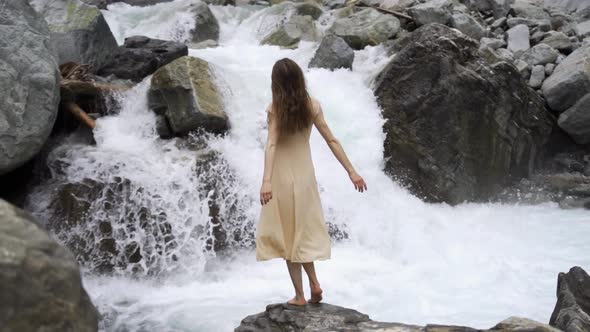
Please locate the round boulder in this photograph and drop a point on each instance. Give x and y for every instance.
(569, 82)
(29, 81)
(184, 92)
(39, 280)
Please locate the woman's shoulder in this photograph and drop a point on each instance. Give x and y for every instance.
(269, 108)
(316, 107)
(314, 102)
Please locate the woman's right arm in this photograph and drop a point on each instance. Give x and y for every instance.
(336, 148)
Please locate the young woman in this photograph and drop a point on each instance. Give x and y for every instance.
(291, 222)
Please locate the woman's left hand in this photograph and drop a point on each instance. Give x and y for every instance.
(265, 193)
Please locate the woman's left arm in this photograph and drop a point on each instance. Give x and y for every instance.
(269, 157)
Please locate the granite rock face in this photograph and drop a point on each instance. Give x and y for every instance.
(39, 280)
(29, 81)
(79, 32)
(572, 310)
(461, 122)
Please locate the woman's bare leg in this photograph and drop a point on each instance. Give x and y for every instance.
(295, 273)
(314, 284)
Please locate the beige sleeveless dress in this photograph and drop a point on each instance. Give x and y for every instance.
(291, 224)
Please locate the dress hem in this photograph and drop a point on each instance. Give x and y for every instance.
(321, 258)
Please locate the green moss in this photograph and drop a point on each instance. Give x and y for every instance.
(77, 17)
(71, 8)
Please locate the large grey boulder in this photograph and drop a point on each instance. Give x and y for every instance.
(327, 318)
(461, 123)
(185, 93)
(206, 25)
(39, 280)
(572, 310)
(468, 25)
(365, 27)
(518, 39)
(79, 32)
(576, 120)
(540, 54)
(435, 11)
(289, 34)
(333, 53)
(569, 82)
(141, 56)
(29, 81)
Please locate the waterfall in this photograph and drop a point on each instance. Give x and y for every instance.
(402, 260)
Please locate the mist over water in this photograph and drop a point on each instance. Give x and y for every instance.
(404, 260)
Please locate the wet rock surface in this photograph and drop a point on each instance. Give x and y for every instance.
(185, 93)
(29, 81)
(141, 56)
(333, 53)
(442, 148)
(206, 25)
(326, 317)
(572, 311)
(39, 280)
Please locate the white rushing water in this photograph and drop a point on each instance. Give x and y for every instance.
(404, 260)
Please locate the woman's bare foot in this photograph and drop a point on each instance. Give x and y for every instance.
(297, 301)
(316, 294)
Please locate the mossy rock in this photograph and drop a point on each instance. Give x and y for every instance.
(185, 93)
(79, 32)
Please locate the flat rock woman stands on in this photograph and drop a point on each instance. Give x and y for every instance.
(292, 223)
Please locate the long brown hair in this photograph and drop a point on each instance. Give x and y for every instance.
(290, 100)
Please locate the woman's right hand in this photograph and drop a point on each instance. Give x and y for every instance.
(265, 192)
(359, 183)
